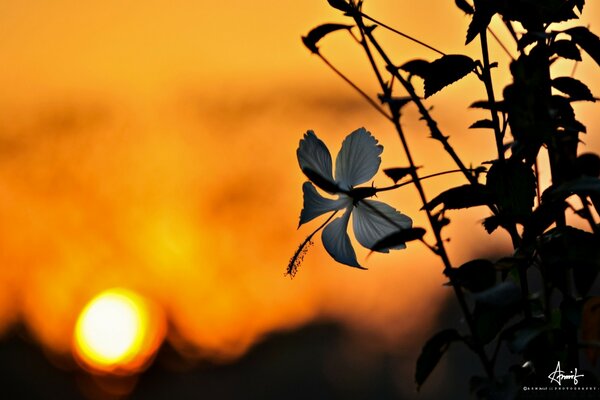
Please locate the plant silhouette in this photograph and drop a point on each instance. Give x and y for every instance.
(539, 324)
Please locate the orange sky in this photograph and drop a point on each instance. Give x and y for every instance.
(151, 145)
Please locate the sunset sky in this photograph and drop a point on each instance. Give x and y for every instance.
(151, 145)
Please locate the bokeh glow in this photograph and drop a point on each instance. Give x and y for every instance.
(117, 332)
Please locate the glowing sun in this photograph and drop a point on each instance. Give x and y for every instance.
(117, 332)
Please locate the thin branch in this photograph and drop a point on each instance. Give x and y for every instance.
(404, 35)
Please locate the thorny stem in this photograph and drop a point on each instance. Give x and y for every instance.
(487, 80)
(431, 123)
(440, 248)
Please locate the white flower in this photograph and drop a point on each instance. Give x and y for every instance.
(356, 163)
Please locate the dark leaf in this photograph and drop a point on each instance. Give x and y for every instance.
(313, 37)
(512, 187)
(579, 4)
(589, 164)
(583, 186)
(530, 38)
(484, 11)
(494, 307)
(520, 335)
(432, 352)
(321, 182)
(544, 215)
(464, 196)
(340, 5)
(566, 49)
(572, 87)
(399, 238)
(475, 276)
(396, 174)
(464, 6)
(417, 67)
(486, 105)
(446, 70)
(587, 41)
(566, 248)
(482, 123)
(490, 224)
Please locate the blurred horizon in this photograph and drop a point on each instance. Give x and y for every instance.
(152, 146)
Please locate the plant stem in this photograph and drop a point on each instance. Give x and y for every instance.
(489, 88)
(383, 189)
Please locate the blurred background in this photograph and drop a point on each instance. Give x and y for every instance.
(150, 146)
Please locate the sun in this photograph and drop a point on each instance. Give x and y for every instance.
(117, 332)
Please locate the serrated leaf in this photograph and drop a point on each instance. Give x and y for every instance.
(482, 123)
(566, 49)
(574, 88)
(475, 275)
(587, 41)
(399, 238)
(447, 70)
(318, 33)
(416, 67)
(512, 187)
(484, 11)
(396, 174)
(340, 5)
(432, 353)
(464, 196)
(464, 6)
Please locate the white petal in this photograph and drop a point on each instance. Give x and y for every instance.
(316, 205)
(337, 242)
(358, 159)
(314, 155)
(375, 220)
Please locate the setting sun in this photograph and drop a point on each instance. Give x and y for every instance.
(117, 332)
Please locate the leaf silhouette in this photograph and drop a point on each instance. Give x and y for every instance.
(396, 174)
(574, 88)
(318, 33)
(566, 49)
(484, 11)
(340, 5)
(416, 67)
(512, 186)
(399, 238)
(475, 276)
(587, 41)
(486, 105)
(482, 123)
(432, 353)
(464, 196)
(590, 327)
(446, 70)
(464, 6)
(588, 164)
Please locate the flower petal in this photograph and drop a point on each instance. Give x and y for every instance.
(358, 159)
(314, 157)
(316, 205)
(373, 220)
(337, 242)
